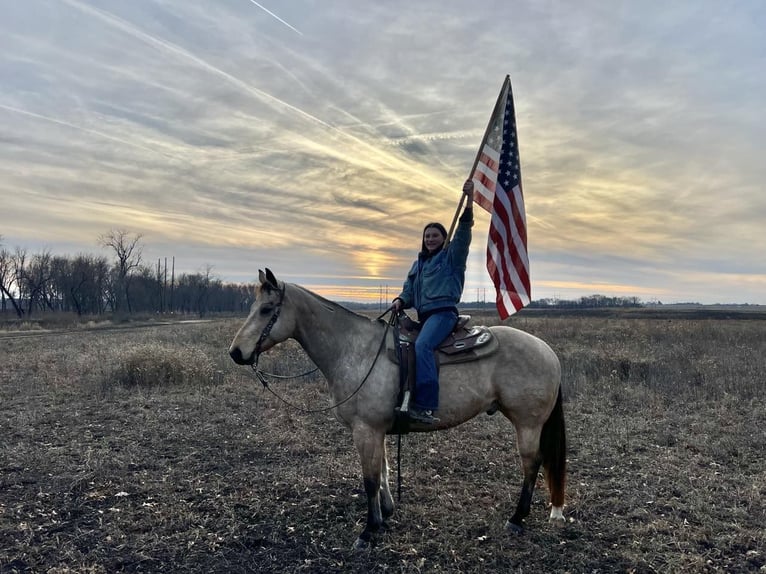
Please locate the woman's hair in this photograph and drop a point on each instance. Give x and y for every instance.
(435, 225)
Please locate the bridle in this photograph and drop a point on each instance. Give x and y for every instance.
(269, 326)
(263, 376)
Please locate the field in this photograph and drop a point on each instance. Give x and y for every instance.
(148, 450)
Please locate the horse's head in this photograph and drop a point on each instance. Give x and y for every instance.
(268, 323)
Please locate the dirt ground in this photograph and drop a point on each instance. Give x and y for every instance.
(213, 474)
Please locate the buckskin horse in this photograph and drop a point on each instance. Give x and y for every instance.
(521, 379)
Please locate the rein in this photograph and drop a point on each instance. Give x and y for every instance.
(263, 376)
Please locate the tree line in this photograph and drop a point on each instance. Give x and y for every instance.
(88, 284)
(587, 302)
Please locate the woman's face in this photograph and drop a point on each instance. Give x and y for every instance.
(433, 239)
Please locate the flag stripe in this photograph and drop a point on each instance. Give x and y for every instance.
(514, 273)
(485, 178)
(518, 228)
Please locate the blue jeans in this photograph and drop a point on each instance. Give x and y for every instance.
(435, 329)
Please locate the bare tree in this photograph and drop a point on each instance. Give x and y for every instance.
(203, 292)
(76, 283)
(19, 267)
(8, 280)
(97, 269)
(127, 250)
(36, 278)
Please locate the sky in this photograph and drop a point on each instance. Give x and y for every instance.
(317, 138)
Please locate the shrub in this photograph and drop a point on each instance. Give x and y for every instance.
(154, 365)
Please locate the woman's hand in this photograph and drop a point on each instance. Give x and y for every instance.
(468, 189)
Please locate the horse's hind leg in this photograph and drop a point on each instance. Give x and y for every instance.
(531, 459)
(371, 447)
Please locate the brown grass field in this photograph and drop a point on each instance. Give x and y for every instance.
(148, 450)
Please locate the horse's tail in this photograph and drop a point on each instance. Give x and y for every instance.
(553, 447)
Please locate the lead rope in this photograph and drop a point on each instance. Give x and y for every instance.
(399, 467)
(394, 322)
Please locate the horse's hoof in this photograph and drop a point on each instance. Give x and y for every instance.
(558, 521)
(557, 516)
(361, 544)
(514, 528)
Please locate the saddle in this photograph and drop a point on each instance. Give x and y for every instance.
(463, 345)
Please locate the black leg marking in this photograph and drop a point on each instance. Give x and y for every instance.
(525, 498)
(374, 517)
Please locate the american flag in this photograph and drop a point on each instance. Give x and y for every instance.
(497, 181)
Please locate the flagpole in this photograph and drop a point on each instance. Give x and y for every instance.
(478, 155)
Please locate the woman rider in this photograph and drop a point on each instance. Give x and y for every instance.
(433, 287)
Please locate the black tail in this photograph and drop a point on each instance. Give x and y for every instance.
(553, 447)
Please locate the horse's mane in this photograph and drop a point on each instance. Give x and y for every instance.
(327, 303)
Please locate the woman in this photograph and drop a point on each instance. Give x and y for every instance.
(433, 287)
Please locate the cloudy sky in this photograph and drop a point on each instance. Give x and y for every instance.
(318, 137)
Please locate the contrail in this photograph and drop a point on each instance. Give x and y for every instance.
(270, 13)
(82, 129)
(177, 50)
(386, 159)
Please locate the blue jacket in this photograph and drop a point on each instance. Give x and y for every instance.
(436, 282)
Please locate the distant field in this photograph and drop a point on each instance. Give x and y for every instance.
(148, 450)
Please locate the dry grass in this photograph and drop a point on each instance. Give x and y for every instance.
(149, 451)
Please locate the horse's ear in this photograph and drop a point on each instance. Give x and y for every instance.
(267, 279)
(271, 279)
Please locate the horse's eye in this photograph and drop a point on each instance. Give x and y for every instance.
(267, 310)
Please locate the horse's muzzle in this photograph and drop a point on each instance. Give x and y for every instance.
(236, 355)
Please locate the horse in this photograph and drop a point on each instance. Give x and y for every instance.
(521, 379)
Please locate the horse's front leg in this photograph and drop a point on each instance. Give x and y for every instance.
(370, 444)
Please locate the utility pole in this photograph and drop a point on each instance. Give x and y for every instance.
(172, 283)
(159, 286)
(165, 286)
